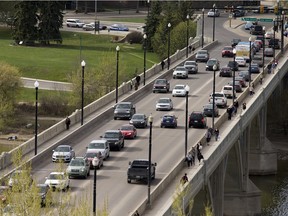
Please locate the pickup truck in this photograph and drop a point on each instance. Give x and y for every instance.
(138, 170)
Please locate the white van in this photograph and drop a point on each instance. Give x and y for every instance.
(74, 23)
(228, 91)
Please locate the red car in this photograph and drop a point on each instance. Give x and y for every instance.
(128, 131)
(227, 51)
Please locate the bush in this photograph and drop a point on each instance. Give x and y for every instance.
(54, 105)
(134, 37)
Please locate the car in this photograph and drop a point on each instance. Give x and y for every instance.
(227, 51)
(241, 80)
(225, 72)
(129, 131)
(269, 35)
(212, 13)
(258, 60)
(233, 65)
(164, 104)
(63, 153)
(91, 27)
(248, 25)
(161, 85)
(268, 52)
(254, 68)
(115, 139)
(210, 64)
(78, 167)
(244, 74)
(74, 23)
(169, 121)
(124, 110)
(257, 30)
(101, 146)
(208, 110)
(274, 43)
(44, 193)
(219, 98)
(19, 178)
(238, 13)
(228, 91)
(58, 180)
(191, 66)
(234, 42)
(180, 72)
(179, 90)
(139, 120)
(118, 27)
(96, 155)
(197, 119)
(241, 61)
(202, 56)
(237, 86)
(259, 42)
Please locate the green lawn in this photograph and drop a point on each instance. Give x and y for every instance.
(57, 61)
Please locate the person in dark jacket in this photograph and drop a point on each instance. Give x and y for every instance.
(67, 122)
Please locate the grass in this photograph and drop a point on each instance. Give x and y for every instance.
(57, 61)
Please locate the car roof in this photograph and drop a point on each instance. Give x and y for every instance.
(168, 115)
(179, 85)
(112, 131)
(124, 102)
(98, 141)
(64, 146)
(57, 173)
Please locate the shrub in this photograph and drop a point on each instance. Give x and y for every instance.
(134, 37)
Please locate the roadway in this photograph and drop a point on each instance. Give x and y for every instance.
(168, 144)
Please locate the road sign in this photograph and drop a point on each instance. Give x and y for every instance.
(249, 19)
(265, 20)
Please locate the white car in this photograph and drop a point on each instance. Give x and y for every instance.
(63, 153)
(241, 61)
(179, 90)
(164, 104)
(101, 145)
(220, 99)
(212, 14)
(58, 180)
(228, 91)
(74, 23)
(180, 72)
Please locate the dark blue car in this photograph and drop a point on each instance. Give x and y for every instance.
(169, 121)
(118, 27)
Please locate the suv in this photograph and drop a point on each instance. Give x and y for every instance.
(274, 43)
(202, 55)
(74, 23)
(180, 72)
(124, 110)
(78, 167)
(210, 64)
(233, 65)
(257, 30)
(197, 119)
(101, 146)
(191, 66)
(161, 85)
(115, 139)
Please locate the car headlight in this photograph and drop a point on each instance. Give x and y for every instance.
(116, 111)
(127, 111)
(67, 156)
(82, 169)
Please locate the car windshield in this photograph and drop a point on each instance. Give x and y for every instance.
(163, 100)
(163, 82)
(77, 163)
(126, 127)
(218, 95)
(180, 69)
(212, 62)
(62, 149)
(190, 63)
(56, 176)
(138, 117)
(179, 87)
(91, 154)
(228, 48)
(123, 106)
(202, 52)
(239, 59)
(111, 135)
(196, 115)
(96, 146)
(227, 88)
(168, 117)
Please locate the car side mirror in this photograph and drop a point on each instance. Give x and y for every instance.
(101, 136)
(46, 177)
(113, 107)
(130, 163)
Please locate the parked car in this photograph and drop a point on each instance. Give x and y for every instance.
(197, 119)
(101, 146)
(234, 42)
(274, 43)
(254, 68)
(225, 72)
(180, 72)
(115, 139)
(58, 180)
(191, 66)
(161, 85)
(169, 121)
(202, 56)
(44, 193)
(164, 104)
(219, 98)
(179, 90)
(227, 51)
(128, 131)
(118, 27)
(212, 13)
(63, 153)
(210, 64)
(258, 60)
(208, 110)
(228, 91)
(139, 120)
(78, 167)
(74, 23)
(245, 75)
(241, 80)
(91, 155)
(124, 110)
(241, 61)
(268, 52)
(233, 65)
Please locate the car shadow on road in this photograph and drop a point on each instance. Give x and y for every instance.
(132, 149)
(116, 158)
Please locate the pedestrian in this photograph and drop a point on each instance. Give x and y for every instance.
(269, 67)
(162, 64)
(67, 122)
(193, 155)
(274, 65)
(190, 48)
(138, 78)
(184, 179)
(261, 79)
(244, 106)
(229, 111)
(236, 105)
(136, 213)
(200, 157)
(251, 90)
(216, 134)
(193, 49)
(208, 136)
(189, 159)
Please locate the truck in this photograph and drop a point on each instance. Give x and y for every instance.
(138, 170)
(243, 50)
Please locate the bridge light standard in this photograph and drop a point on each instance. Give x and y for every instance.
(263, 47)
(150, 120)
(213, 106)
(214, 9)
(234, 64)
(250, 59)
(169, 32)
(36, 85)
(148, 5)
(82, 101)
(187, 88)
(144, 73)
(282, 32)
(117, 70)
(202, 27)
(187, 35)
(94, 163)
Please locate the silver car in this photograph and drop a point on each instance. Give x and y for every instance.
(179, 90)
(63, 153)
(180, 72)
(202, 55)
(164, 104)
(191, 66)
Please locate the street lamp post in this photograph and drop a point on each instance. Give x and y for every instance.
(144, 72)
(94, 163)
(82, 101)
(187, 88)
(213, 94)
(282, 32)
(168, 59)
(274, 29)
(187, 35)
(148, 5)
(263, 47)
(150, 120)
(203, 27)
(214, 8)
(117, 70)
(234, 64)
(36, 85)
(250, 59)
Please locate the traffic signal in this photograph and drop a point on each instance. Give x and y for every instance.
(261, 9)
(276, 9)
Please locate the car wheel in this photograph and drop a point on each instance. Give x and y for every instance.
(161, 126)
(153, 91)
(115, 118)
(129, 180)
(119, 148)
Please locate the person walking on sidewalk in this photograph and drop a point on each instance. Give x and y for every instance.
(189, 159)
(184, 179)
(251, 90)
(216, 134)
(67, 122)
(162, 64)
